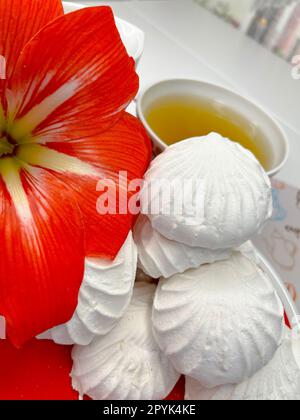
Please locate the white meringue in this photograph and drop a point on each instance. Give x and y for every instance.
(279, 380)
(236, 193)
(126, 364)
(160, 257)
(220, 323)
(103, 298)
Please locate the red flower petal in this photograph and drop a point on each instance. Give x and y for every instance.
(19, 21)
(105, 234)
(41, 248)
(178, 392)
(39, 371)
(73, 75)
(125, 147)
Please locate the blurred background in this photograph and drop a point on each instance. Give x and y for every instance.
(274, 24)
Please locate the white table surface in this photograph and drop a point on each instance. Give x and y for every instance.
(184, 40)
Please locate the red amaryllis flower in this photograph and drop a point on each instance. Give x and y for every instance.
(63, 127)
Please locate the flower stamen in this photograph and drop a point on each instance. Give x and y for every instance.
(7, 146)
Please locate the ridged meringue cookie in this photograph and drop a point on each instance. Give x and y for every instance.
(103, 298)
(161, 257)
(126, 364)
(234, 191)
(219, 323)
(278, 381)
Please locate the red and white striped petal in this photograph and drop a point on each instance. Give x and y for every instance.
(82, 163)
(41, 248)
(124, 147)
(73, 76)
(20, 20)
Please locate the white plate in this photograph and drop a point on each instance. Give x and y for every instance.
(132, 37)
(289, 306)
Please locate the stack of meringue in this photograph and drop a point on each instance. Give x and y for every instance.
(126, 364)
(214, 315)
(236, 202)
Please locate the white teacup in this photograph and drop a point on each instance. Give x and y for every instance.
(275, 141)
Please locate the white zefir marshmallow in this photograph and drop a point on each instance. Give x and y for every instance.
(104, 296)
(278, 381)
(226, 193)
(126, 364)
(220, 323)
(161, 257)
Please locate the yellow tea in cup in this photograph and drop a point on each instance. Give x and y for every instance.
(175, 118)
